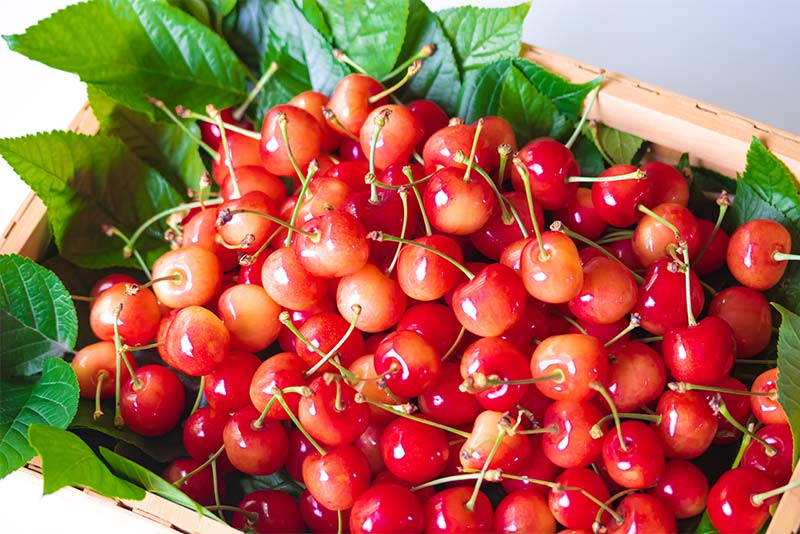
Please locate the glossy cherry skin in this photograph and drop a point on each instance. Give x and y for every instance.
(414, 451)
(642, 513)
(714, 257)
(749, 315)
(350, 100)
(777, 467)
(253, 450)
(200, 486)
(524, 511)
(324, 330)
(497, 131)
(511, 452)
(227, 387)
(337, 478)
(642, 464)
(242, 151)
(617, 201)
(280, 371)
(380, 299)
(608, 293)
(97, 358)
(442, 145)
(253, 178)
(766, 409)
(699, 354)
(320, 519)
(580, 216)
(549, 164)
(339, 247)
(247, 230)
(536, 466)
(455, 204)
(494, 236)
(432, 118)
(155, 407)
(425, 275)
(397, 138)
(199, 229)
(570, 507)
(196, 341)
(661, 301)
(210, 132)
(687, 425)
(435, 322)
(332, 424)
(554, 275)
(442, 401)
(108, 281)
(305, 140)
(446, 512)
(202, 432)
(668, 185)
(288, 283)
(730, 505)
(313, 102)
(636, 375)
(651, 238)
(572, 444)
(496, 358)
(492, 302)
(386, 508)
(250, 316)
(276, 512)
(738, 406)
(683, 488)
(138, 320)
(408, 362)
(580, 358)
(750, 253)
(374, 390)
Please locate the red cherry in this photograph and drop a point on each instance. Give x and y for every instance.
(210, 132)
(200, 486)
(97, 358)
(250, 316)
(572, 508)
(538, 467)
(196, 341)
(554, 275)
(108, 281)
(243, 151)
(636, 375)
(276, 512)
(701, 353)
(253, 178)
(430, 116)
(255, 450)
(414, 451)
(446, 512)
(492, 302)
(641, 463)
(580, 216)
(549, 164)
(513, 449)
(408, 362)
(338, 247)
(154, 406)
(442, 401)
(580, 359)
(386, 508)
(652, 239)
(642, 513)
(399, 135)
(524, 511)
(572, 444)
(227, 387)
(617, 201)
(779, 466)
(331, 415)
(305, 140)
(749, 315)
(337, 478)
(687, 424)
(730, 502)
(379, 300)
(494, 236)
(442, 145)
(313, 102)
(668, 185)
(435, 322)
(138, 319)
(767, 409)
(456, 203)
(320, 519)
(283, 370)
(608, 293)
(713, 258)
(288, 283)
(683, 488)
(750, 253)
(350, 100)
(498, 359)
(374, 390)
(202, 433)
(424, 275)
(661, 301)
(324, 330)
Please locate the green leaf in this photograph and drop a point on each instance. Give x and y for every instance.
(589, 159)
(88, 181)
(439, 79)
(370, 32)
(134, 48)
(165, 147)
(150, 481)
(280, 480)
(789, 372)
(619, 146)
(68, 461)
(480, 92)
(37, 318)
(480, 36)
(162, 449)
(568, 97)
(222, 7)
(315, 17)
(52, 401)
(528, 111)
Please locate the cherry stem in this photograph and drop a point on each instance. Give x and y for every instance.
(558, 226)
(601, 389)
(687, 278)
(647, 211)
(370, 179)
(410, 71)
(755, 362)
(681, 387)
(102, 376)
(127, 348)
(118, 346)
(507, 216)
(223, 135)
(417, 157)
(471, 160)
(476, 491)
(552, 429)
(708, 287)
(167, 278)
(286, 320)
(178, 483)
(451, 478)
(356, 309)
(404, 410)
(278, 394)
(127, 250)
(723, 201)
(331, 117)
(283, 120)
(717, 404)
(594, 127)
(576, 133)
(425, 221)
(526, 181)
(424, 52)
(312, 170)
(380, 121)
(80, 298)
(404, 199)
(238, 113)
(650, 339)
(596, 431)
(225, 215)
(380, 236)
(503, 150)
(193, 136)
(189, 114)
(782, 256)
(634, 323)
(259, 423)
(455, 344)
(759, 498)
(199, 396)
(339, 525)
(573, 322)
(597, 526)
(341, 57)
(215, 484)
(478, 382)
(119, 422)
(617, 235)
(638, 174)
(158, 216)
(252, 517)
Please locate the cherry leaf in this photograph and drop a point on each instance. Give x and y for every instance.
(789, 372)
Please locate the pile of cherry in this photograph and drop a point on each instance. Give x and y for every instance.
(435, 338)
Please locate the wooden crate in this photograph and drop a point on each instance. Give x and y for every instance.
(715, 138)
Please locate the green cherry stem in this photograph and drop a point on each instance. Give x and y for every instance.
(573, 323)
(596, 431)
(634, 323)
(614, 236)
(410, 71)
(503, 150)
(508, 217)
(455, 344)
(558, 226)
(717, 404)
(380, 121)
(404, 199)
(424, 52)
(312, 170)
(603, 392)
(478, 382)
(128, 250)
(638, 174)
(283, 121)
(286, 320)
(278, 394)
(687, 277)
(471, 160)
(759, 498)
(650, 339)
(178, 483)
(118, 347)
(476, 490)
(189, 114)
(456, 478)
(650, 213)
(356, 309)
(380, 236)
(425, 221)
(102, 376)
(239, 112)
(405, 410)
(226, 214)
(199, 396)
(193, 136)
(341, 57)
(681, 387)
(589, 106)
(339, 525)
(526, 181)
(160, 215)
(119, 422)
(223, 135)
(723, 201)
(594, 128)
(215, 484)
(782, 256)
(331, 117)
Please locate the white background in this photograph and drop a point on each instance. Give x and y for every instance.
(735, 54)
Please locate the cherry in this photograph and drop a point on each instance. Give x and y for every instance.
(414, 451)
(430, 116)
(253, 178)
(497, 234)
(196, 341)
(304, 135)
(243, 151)
(331, 414)
(338, 247)
(636, 375)
(152, 404)
(435, 322)
(570, 506)
(636, 462)
(288, 283)
(320, 519)
(687, 426)
(210, 132)
(227, 387)
(324, 331)
(702, 353)
(622, 249)
(247, 230)
(202, 433)
(137, 319)
(280, 371)
(511, 450)
(667, 184)
(255, 449)
(550, 164)
(408, 363)
(442, 401)
(618, 201)
(568, 365)
(738, 406)
(524, 511)
(730, 501)
(779, 466)
(491, 302)
(386, 508)
(250, 316)
(352, 173)
(749, 315)
(642, 513)
(767, 409)
(275, 511)
(652, 238)
(580, 216)
(95, 367)
(608, 293)
(313, 102)
(495, 359)
(350, 151)
(200, 486)
(107, 281)
(396, 132)
(458, 202)
(551, 273)
(751, 253)
(497, 131)
(446, 512)
(441, 147)
(371, 299)
(531, 328)
(661, 302)
(350, 101)
(683, 488)
(572, 444)
(537, 467)
(369, 442)
(199, 229)
(337, 478)
(424, 275)
(713, 258)
(374, 390)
